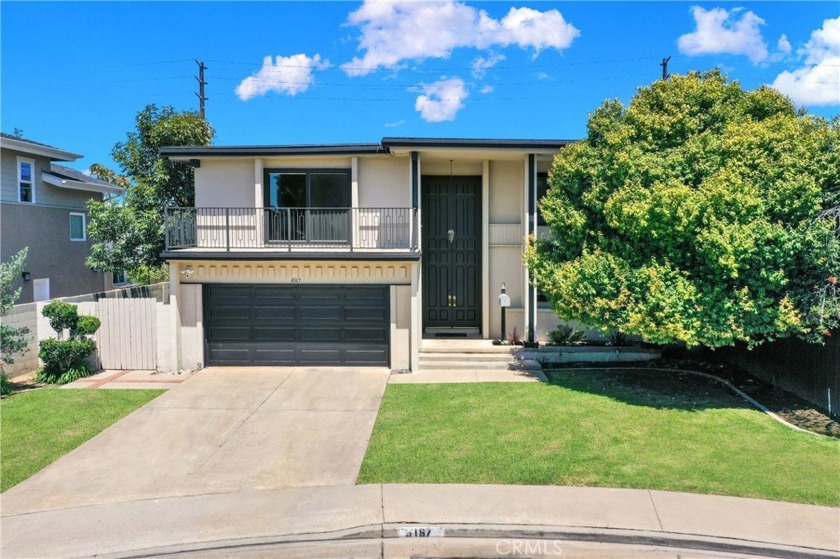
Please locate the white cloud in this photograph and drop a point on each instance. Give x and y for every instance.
(542, 76)
(721, 31)
(486, 89)
(817, 82)
(286, 74)
(783, 46)
(394, 124)
(480, 65)
(394, 32)
(441, 100)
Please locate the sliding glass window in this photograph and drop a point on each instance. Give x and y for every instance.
(308, 205)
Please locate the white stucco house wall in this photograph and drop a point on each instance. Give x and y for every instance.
(353, 254)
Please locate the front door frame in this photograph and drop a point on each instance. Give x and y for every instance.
(478, 251)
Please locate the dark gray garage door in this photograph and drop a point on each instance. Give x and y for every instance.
(296, 324)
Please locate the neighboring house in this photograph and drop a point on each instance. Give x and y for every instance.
(43, 207)
(352, 254)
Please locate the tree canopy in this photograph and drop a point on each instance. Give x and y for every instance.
(699, 213)
(129, 232)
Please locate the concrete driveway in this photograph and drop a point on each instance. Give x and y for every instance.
(225, 429)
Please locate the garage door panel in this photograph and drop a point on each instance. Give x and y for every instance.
(321, 312)
(229, 333)
(274, 313)
(365, 335)
(323, 334)
(362, 356)
(288, 324)
(279, 334)
(366, 314)
(273, 356)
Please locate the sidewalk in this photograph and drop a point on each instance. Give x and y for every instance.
(327, 515)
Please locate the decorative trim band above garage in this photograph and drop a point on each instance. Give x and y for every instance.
(297, 272)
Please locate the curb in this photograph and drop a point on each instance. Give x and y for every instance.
(389, 531)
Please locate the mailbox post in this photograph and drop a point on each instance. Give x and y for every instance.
(504, 303)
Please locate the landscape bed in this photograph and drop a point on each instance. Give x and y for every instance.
(39, 426)
(598, 428)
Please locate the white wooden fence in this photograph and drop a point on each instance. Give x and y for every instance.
(127, 338)
(136, 331)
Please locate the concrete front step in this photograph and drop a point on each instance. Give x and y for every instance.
(466, 365)
(453, 356)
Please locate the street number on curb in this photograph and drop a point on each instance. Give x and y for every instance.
(420, 532)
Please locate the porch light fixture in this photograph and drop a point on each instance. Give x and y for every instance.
(27, 276)
(188, 271)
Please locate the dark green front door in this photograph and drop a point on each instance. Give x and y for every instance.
(451, 209)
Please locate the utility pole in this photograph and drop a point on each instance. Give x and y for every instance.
(665, 68)
(201, 84)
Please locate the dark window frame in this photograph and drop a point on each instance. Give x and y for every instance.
(304, 171)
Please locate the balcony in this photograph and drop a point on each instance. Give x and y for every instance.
(291, 230)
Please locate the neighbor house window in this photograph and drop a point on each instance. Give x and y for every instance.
(119, 278)
(26, 180)
(77, 227)
(542, 190)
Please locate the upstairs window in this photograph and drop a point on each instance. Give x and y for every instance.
(26, 180)
(304, 188)
(77, 227)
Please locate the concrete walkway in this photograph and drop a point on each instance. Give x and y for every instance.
(221, 430)
(137, 380)
(345, 517)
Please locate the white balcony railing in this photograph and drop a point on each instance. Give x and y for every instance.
(290, 228)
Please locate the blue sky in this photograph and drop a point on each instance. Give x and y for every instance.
(75, 74)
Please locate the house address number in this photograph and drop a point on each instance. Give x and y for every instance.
(420, 532)
(295, 280)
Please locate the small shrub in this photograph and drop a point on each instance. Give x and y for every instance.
(5, 385)
(74, 374)
(566, 335)
(66, 360)
(618, 339)
(513, 337)
(85, 326)
(62, 316)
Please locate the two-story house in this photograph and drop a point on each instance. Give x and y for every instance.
(43, 206)
(353, 254)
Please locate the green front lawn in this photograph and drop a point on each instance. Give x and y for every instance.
(629, 429)
(40, 426)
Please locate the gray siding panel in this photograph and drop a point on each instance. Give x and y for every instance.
(45, 194)
(46, 231)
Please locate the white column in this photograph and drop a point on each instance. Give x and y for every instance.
(416, 334)
(354, 200)
(259, 202)
(485, 249)
(175, 315)
(526, 290)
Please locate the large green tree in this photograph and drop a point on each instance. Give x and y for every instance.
(128, 232)
(699, 213)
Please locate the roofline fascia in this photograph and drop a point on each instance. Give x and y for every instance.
(179, 153)
(80, 185)
(54, 154)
